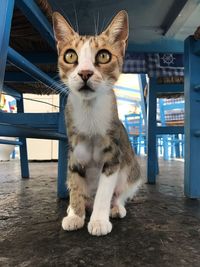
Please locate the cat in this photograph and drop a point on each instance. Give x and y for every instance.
(103, 171)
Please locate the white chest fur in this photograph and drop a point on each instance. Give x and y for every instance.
(92, 117)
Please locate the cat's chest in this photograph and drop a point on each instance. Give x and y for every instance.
(92, 119)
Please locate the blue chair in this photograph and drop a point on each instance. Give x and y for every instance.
(172, 113)
(134, 126)
(153, 129)
(31, 125)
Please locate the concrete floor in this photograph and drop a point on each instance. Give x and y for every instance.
(162, 227)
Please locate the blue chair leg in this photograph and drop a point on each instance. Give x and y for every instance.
(139, 145)
(152, 159)
(145, 145)
(160, 145)
(62, 154)
(172, 146)
(157, 162)
(23, 147)
(182, 145)
(136, 144)
(177, 146)
(6, 12)
(165, 147)
(192, 119)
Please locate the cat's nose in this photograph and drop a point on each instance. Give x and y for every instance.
(85, 74)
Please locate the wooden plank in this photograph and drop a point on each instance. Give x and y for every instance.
(151, 134)
(62, 152)
(169, 130)
(40, 120)
(158, 46)
(10, 142)
(23, 148)
(196, 49)
(192, 121)
(28, 132)
(169, 88)
(6, 13)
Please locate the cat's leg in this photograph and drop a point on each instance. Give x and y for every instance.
(76, 211)
(118, 202)
(118, 209)
(78, 191)
(99, 222)
(125, 189)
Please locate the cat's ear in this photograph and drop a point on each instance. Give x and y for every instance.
(63, 32)
(118, 28)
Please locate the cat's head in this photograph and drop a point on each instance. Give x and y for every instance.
(90, 65)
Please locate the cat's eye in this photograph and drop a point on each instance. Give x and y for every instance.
(70, 56)
(103, 56)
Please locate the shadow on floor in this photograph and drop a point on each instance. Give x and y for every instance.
(162, 227)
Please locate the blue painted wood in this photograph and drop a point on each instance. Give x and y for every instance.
(165, 147)
(22, 124)
(173, 106)
(142, 85)
(152, 164)
(40, 120)
(23, 147)
(24, 131)
(196, 48)
(6, 12)
(163, 123)
(197, 133)
(63, 153)
(176, 142)
(22, 63)
(170, 129)
(134, 127)
(173, 140)
(164, 137)
(34, 14)
(158, 46)
(19, 77)
(192, 119)
(197, 88)
(9, 142)
(168, 88)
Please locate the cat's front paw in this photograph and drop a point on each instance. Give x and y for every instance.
(118, 212)
(73, 222)
(99, 227)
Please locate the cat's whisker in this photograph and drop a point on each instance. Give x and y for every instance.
(59, 87)
(62, 12)
(76, 19)
(103, 25)
(97, 23)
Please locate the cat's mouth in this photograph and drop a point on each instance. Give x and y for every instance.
(85, 88)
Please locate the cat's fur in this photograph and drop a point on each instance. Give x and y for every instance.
(103, 171)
